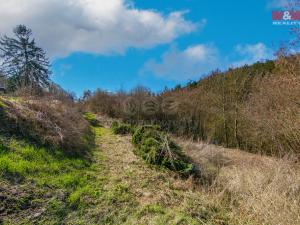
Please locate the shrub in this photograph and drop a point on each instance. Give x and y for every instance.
(122, 129)
(3, 146)
(47, 123)
(114, 125)
(156, 148)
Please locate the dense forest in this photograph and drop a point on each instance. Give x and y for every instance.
(254, 107)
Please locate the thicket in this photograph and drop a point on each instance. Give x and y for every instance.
(46, 122)
(255, 108)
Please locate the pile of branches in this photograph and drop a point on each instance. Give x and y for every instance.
(122, 129)
(156, 148)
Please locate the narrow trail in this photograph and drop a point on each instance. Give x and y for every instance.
(148, 184)
(115, 187)
(143, 194)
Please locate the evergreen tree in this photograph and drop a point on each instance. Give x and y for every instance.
(2, 80)
(25, 64)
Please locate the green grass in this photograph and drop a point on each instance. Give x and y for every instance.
(76, 191)
(22, 163)
(91, 118)
(22, 160)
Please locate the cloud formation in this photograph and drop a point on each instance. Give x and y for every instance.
(278, 3)
(250, 54)
(94, 26)
(186, 64)
(198, 60)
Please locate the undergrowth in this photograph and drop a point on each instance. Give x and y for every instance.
(122, 129)
(45, 122)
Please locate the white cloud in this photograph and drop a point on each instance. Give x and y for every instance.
(250, 54)
(94, 26)
(198, 60)
(278, 3)
(186, 64)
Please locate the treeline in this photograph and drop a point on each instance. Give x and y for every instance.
(255, 108)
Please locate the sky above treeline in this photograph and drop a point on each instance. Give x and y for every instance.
(119, 44)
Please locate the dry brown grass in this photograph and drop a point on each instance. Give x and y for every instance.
(257, 188)
(46, 122)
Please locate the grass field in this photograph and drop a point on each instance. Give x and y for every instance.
(39, 187)
(116, 187)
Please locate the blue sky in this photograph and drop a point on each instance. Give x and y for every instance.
(120, 44)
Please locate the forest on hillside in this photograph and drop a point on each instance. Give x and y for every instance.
(252, 107)
(255, 108)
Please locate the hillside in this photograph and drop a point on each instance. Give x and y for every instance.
(254, 107)
(127, 112)
(41, 187)
(114, 186)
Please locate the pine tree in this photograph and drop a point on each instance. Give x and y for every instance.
(25, 64)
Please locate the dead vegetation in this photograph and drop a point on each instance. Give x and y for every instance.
(259, 188)
(46, 122)
(253, 108)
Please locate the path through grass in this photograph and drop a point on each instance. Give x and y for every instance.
(115, 188)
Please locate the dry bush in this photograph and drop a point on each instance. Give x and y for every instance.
(47, 122)
(104, 103)
(273, 111)
(260, 189)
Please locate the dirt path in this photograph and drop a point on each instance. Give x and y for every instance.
(137, 193)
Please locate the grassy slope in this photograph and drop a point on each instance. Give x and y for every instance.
(37, 187)
(41, 187)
